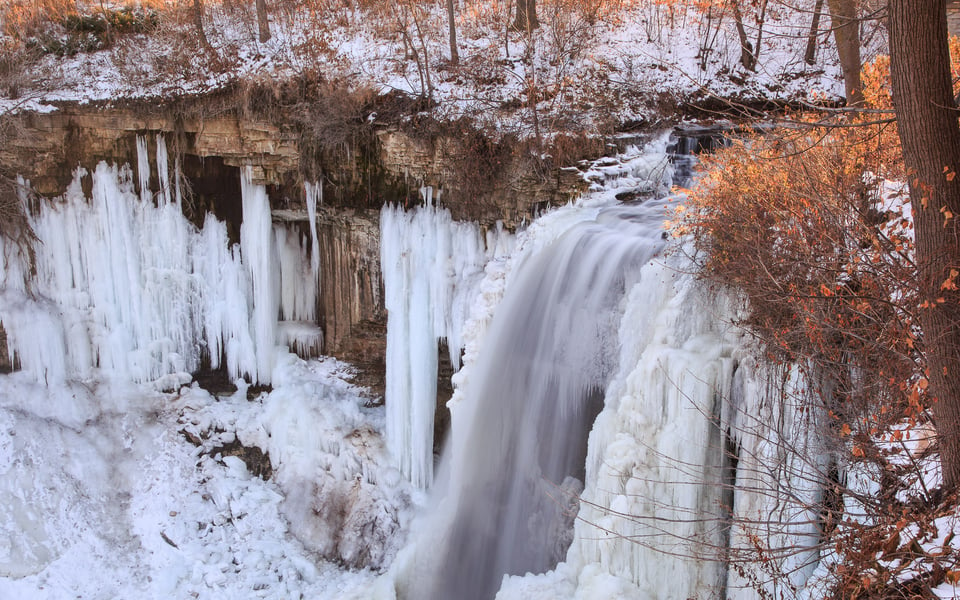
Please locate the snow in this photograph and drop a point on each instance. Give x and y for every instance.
(114, 464)
(98, 473)
(99, 478)
(603, 67)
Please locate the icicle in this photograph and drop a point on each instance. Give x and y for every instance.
(177, 178)
(431, 267)
(257, 250)
(134, 290)
(226, 301)
(163, 172)
(314, 193)
(143, 169)
(298, 290)
(411, 358)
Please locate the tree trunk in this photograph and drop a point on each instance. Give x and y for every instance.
(758, 46)
(526, 19)
(263, 21)
(810, 56)
(452, 18)
(927, 122)
(846, 32)
(198, 24)
(747, 58)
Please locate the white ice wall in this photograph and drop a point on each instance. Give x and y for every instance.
(125, 284)
(431, 266)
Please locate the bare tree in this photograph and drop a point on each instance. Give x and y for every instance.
(927, 123)
(526, 19)
(407, 17)
(451, 18)
(263, 21)
(198, 24)
(846, 31)
(747, 57)
(810, 56)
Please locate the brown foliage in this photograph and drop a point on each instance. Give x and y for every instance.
(796, 220)
(805, 221)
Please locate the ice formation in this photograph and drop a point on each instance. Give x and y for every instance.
(431, 267)
(125, 284)
(104, 496)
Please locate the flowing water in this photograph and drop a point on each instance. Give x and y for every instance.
(550, 352)
(597, 421)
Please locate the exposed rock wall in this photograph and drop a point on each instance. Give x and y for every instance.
(352, 288)
(47, 147)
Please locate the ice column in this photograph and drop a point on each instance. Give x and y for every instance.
(135, 290)
(112, 271)
(143, 168)
(314, 193)
(431, 266)
(163, 171)
(257, 250)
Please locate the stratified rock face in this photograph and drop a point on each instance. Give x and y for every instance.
(46, 148)
(481, 180)
(350, 303)
(351, 289)
(5, 363)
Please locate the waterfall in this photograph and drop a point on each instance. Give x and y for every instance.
(604, 382)
(613, 431)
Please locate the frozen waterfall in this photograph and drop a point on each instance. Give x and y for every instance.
(124, 283)
(431, 268)
(613, 433)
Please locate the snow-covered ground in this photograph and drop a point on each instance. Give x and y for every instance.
(585, 69)
(105, 497)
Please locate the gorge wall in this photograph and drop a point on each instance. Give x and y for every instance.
(475, 178)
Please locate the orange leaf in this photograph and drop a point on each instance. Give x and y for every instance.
(950, 282)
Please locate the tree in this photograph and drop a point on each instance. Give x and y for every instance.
(451, 18)
(846, 32)
(749, 52)
(747, 57)
(198, 24)
(810, 55)
(526, 19)
(263, 21)
(930, 136)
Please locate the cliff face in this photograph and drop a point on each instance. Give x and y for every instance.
(480, 180)
(475, 178)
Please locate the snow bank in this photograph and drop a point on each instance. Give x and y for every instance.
(106, 498)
